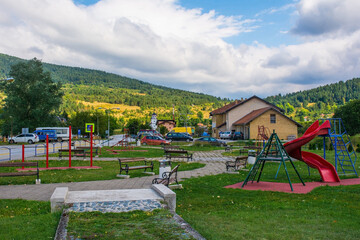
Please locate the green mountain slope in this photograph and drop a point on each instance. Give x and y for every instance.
(93, 85)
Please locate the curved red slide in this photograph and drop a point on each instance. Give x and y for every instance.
(327, 170)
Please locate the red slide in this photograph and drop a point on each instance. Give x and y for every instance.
(327, 170)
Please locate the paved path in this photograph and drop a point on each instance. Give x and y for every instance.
(214, 165)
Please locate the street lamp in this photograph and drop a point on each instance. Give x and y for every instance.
(107, 110)
(11, 130)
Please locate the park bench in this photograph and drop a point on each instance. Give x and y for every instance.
(178, 153)
(22, 173)
(240, 162)
(96, 150)
(74, 152)
(124, 166)
(167, 177)
(170, 147)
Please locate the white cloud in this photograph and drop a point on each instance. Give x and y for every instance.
(161, 42)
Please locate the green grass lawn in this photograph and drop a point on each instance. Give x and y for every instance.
(108, 171)
(220, 213)
(21, 219)
(157, 224)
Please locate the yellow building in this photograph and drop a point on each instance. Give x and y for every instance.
(247, 115)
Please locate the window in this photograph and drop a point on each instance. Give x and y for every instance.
(272, 118)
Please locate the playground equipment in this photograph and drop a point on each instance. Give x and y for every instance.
(262, 136)
(327, 170)
(273, 151)
(344, 159)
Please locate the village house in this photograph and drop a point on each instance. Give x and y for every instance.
(246, 115)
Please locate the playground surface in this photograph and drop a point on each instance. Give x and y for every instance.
(298, 187)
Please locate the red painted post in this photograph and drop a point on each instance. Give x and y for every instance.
(91, 145)
(23, 154)
(47, 151)
(69, 146)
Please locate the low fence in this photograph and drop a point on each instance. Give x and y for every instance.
(15, 152)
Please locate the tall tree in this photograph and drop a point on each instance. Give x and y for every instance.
(350, 115)
(33, 99)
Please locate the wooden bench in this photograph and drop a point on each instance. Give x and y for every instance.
(96, 150)
(167, 177)
(170, 147)
(125, 167)
(180, 153)
(74, 152)
(240, 162)
(22, 173)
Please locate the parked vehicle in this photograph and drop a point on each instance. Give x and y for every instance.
(25, 138)
(154, 140)
(212, 141)
(178, 137)
(62, 133)
(225, 135)
(237, 136)
(189, 130)
(43, 133)
(147, 132)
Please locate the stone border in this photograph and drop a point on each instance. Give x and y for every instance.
(58, 198)
(168, 195)
(184, 225)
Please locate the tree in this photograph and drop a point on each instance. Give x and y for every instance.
(350, 115)
(33, 99)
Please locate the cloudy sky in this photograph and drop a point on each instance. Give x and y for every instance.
(227, 48)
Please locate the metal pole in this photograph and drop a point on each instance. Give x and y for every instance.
(97, 121)
(69, 146)
(108, 129)
(91, 146)
(47, 151)
(23, 154)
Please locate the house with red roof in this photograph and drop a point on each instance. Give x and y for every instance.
(246, 115)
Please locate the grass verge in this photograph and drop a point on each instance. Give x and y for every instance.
(22, 219)
(157, 224)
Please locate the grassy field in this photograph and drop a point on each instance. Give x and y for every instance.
(108, 171)
(21, 219)
(220, 213)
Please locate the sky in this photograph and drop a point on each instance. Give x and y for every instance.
(227, 48)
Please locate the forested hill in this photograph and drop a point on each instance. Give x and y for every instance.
(337, 93)
(320, 100)
(93, 85)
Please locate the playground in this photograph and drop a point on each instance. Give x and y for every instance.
(218, 211)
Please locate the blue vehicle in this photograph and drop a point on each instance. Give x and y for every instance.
(42, 135)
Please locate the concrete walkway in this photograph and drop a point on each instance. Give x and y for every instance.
(214, 165)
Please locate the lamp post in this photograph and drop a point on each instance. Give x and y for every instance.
(108, 110)
(11, 129)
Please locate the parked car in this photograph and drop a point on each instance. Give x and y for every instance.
(154, 140)
(225, 135)
(237, 136)
(212, 141)
(25, 138)
(42, 135)
(178, 137)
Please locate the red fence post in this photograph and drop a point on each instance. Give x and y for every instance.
(23, 154)
(69, 146)
(47, 151)
(91, 146)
